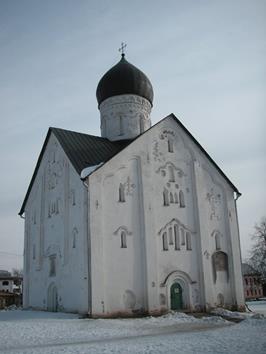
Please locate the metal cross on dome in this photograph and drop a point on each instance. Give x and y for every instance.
(121, 49)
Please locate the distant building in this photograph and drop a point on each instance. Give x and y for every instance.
(139, 220)
(252, 282)
(10, 289)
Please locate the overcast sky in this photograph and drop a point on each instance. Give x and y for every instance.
(206, 60)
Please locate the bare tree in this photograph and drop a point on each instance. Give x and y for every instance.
(258, 253)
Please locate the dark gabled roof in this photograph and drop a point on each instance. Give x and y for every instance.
(248, 270)
(83, 150)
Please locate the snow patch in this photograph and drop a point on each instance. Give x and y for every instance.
(88, 170)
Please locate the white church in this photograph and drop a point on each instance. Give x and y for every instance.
(138, 221)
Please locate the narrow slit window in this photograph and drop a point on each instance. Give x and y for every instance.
(182, 232)
(171, 197)
(121, 128)
(171, 174)
(34, 252)
(188, 241)
(141, 125)
(181, 199)
(176, 198)
(165, 197)
(165, 242)
(217, 242)
(170, 145)
(123, 240)
(171, 240)
(121, 193)
(177, 238)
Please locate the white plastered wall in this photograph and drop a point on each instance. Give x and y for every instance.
(144, 168)
(56, 227)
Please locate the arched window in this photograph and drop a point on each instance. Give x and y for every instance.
(123, 240)
(177, 239)
(171, 240)
(165, 242)
(217, 241)
(181, 199)
(170, 145)
(165, 197)
(182, 232)
(171, 197)
(176, 198)
(5, 283)
(141, 125)
(188, 241)
(171, 174)
(121, 127)
(121, 193)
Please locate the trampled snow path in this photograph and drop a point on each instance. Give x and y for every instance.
(39, 332)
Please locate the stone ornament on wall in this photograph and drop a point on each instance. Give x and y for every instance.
(54, 207)
(122, 228)
(167, 165)
(215, 201)
(54, 173)
(53, 249)
(173, 222)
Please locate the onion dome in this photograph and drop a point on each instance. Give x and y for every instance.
(124, 78)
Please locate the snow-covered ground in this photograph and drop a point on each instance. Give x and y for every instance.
(27, 332)
(257, 306)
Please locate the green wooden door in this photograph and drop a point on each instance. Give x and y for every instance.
(176, 297)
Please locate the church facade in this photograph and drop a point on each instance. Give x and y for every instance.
(140, 220)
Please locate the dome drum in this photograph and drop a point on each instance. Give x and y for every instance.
(125, 97)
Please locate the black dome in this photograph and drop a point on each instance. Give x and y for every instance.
(124, 78)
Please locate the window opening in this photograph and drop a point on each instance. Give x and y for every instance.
(123, 240)
(188, 241)
(181, 199)
(183, 242)
(170, 145)
(217, 242)
(165, 197)
(171, 197)
(52, 266)
(177, 238)
(171, 174)
(121, 193)
(141, 125)
(165, 242)
(171, 240)
(121, 128)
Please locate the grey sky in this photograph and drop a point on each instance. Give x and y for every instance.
(206, 61)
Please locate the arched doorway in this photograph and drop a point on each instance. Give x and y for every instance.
(176, 296)
(52, 298)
